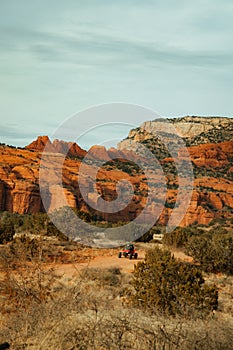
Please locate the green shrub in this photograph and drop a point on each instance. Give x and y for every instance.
(26, 248)
(176, 239)
(179, 237)
(213, 252)
(163, 284)
(7, 232)
(8, 222)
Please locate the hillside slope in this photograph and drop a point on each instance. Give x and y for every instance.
(212, 164)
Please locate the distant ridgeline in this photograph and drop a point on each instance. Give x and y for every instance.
(210, 145)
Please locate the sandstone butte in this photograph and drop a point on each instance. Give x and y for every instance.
(212, 196)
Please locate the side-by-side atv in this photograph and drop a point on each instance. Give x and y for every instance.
(128, 252)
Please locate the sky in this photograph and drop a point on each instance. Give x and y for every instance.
(61, 57)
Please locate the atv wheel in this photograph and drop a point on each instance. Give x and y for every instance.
(135, 255)
(119, 255)
(130, 256)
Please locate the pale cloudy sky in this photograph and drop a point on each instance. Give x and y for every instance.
(59, 57)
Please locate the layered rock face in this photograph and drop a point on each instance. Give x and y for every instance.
(19, 188)
(190, 128)
(209, 142)
(212, 195)
(19, 180)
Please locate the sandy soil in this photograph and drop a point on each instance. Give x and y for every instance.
(110, 259)
(102, 261)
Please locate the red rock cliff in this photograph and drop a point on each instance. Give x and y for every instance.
(19, 182)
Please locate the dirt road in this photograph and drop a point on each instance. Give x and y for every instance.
(110, 260)
(126, 265)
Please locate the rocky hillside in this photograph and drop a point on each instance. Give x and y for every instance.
(210, 146)
(57, 146)
(212, 135)
(19, 182)
(194, 130)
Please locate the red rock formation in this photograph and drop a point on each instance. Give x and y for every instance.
(212, 155)
(98, 153)
(19, 182)
(57, 146)
(39, 144)
(114, 153)
(75, 150)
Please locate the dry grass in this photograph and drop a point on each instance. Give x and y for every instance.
(42, 310)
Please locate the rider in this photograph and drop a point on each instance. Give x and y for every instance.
(130, 247)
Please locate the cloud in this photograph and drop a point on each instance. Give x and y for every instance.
(59, 57)
(18, 135)
(89, 49)
(128, 34)
(13, 132)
